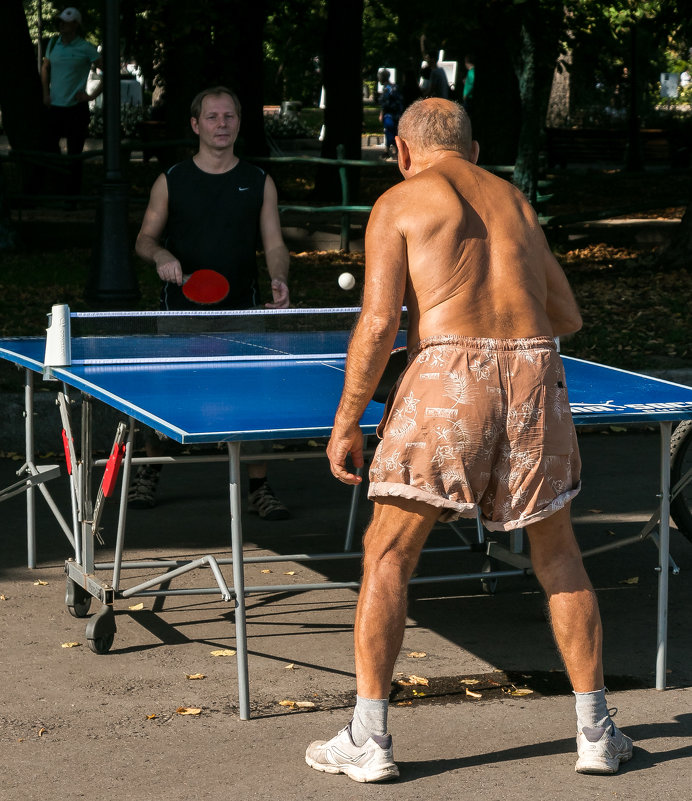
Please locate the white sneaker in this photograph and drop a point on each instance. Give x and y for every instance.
(602, 749)
(371, 762)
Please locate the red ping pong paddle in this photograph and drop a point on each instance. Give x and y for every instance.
(398, 359)
(205, 287)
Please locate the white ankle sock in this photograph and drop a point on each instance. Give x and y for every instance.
(592, 709)
(369, 717)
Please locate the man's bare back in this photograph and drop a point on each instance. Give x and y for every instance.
(478, 262)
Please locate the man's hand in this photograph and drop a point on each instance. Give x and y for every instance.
(341, 443)
(280, 294)
(169, 269)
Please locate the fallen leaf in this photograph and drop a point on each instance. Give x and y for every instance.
(416, 654)
(470, 681)
(70, 645)
(404, 703)
(136, 607)
(473, 694)
(3, 597)
(223, 652)
(286, 702)
(521, 691)
(40, 583)
(290, 573)
(266, 571)
(152, 717)
(290, 667)
(42, 731)
(193, 676)
(185, 710)
(419, 680)
(633, 580)
(418, 693)
(305, 704)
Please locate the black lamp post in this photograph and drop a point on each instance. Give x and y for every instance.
(112, 281)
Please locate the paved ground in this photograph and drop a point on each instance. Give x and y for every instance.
(75, 724)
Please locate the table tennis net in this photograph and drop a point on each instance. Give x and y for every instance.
(256, 334)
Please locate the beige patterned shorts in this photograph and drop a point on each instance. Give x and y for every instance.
(480, 424)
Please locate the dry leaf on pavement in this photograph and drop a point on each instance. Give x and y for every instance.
(185, 710)
(223, 652)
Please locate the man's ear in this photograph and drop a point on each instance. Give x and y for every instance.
(404, 154)
(194, 125)
(475, 150)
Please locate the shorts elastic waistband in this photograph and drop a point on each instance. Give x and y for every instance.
(486, 343)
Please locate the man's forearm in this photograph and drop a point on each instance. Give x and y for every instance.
(368, 354)
(150, 249)
(277, 263)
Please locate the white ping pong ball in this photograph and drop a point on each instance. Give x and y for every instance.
(347, 281)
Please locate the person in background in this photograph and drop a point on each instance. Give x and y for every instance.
(391, 109)
(207, 211)
(64, 72)
(469, 81)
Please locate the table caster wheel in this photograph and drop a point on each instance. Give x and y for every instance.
(101, 645)
(77, 599)
(100, 630)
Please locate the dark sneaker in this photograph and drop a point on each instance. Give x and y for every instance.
(264, 503)
(142, 492)
(602, 749)
(371, 762)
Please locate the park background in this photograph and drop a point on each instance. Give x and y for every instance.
(569, 106)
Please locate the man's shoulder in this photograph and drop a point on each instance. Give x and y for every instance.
(248, 168)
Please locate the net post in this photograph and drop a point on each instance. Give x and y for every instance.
(58, 338)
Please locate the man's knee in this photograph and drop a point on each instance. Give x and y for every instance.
(552, 540)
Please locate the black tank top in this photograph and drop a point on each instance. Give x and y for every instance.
(213, 223)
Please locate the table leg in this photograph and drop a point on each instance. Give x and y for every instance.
(238, 580)
(663, 558)
(29, 457)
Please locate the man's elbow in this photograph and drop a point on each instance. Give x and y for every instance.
(568, 325)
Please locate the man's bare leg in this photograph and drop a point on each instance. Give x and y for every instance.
(576, 622)
(392, 545)
(393, 542)
(572, 602)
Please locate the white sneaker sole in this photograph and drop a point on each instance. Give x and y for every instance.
(354, 772)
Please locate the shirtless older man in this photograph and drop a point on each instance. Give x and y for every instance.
(479, 419)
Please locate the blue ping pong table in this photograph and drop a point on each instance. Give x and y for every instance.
(204, 392)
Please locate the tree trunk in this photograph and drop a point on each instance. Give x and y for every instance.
(343, 114)
(534, 54)
(633, 157)
(20, 88)
(223, 49)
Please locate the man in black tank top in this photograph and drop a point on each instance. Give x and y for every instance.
(210, 212)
